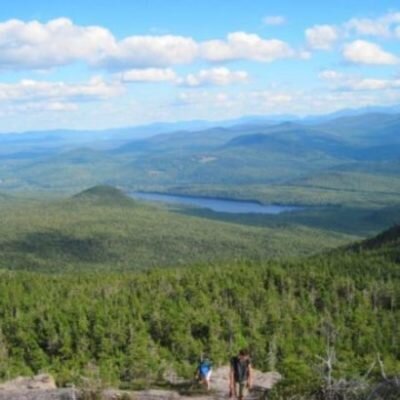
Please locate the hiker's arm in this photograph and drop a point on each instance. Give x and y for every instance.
(250, 377)
(231, 379)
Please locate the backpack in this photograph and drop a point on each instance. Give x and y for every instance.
(204, 367)
(240, 369)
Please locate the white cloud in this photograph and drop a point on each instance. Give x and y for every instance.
(345, 82)
(148, 75)
(242, 45)
(274, 20)
(58, 42)
(203, 98)
(41, 106)
(150, 51)
(218, 76)
(330, 75)
(304, 54)
(321, 37)
(381, 26)
(196, 104)
(374, 84)
(368, 27)
(215, 76)
(35, 45)
(273, 98)
(58, 106)
(363, 52)
(56, 93)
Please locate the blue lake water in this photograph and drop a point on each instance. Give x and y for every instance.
(218, 205)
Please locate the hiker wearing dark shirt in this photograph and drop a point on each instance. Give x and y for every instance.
(240, 374)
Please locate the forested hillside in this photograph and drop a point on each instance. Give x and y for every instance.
(160, 285)
(129, 328)
(103, 229)
(342, 156)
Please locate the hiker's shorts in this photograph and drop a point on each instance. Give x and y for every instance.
(240, 389)
(207, 376)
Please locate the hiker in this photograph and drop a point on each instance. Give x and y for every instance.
(204, 371)
(240, 374)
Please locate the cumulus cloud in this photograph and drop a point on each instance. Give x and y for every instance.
(56, 94)
(321, 37)
(150, 51)
(363, 52)
(381, 26)
(148, 75)
(215, 76)
(58, 42)
(374, 84)
(35, 45)
(274, 20)
(344, 82)
(242, 45)
(367, 26)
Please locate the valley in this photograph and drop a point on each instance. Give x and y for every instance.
(292, 242)
(200, 200)
(104, 229)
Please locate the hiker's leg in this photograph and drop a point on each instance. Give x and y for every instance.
(234, 390)
(241, 390)
(202, 380)
(208, 378)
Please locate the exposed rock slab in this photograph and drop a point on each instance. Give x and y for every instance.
(38, 394)
(38, 382)
(40, 387)
(43, 387)
(261, 380)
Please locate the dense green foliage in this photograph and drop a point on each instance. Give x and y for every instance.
(127, 327)
(101, 228)
(357, 221)
(131, 327)
(374, 186)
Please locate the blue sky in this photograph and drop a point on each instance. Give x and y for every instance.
(98, 64)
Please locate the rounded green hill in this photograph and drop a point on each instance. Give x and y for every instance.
(105, 194)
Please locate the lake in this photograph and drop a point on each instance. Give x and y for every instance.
(214, 204)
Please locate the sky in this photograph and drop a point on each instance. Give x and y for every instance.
(100, 64)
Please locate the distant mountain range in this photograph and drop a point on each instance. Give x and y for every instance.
(247, 151)
(67, 137)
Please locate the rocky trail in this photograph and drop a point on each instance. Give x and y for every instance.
(43, 387)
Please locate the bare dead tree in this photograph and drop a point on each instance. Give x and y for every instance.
(382, 367)
(328, 362)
